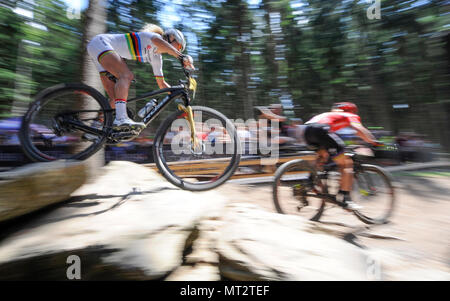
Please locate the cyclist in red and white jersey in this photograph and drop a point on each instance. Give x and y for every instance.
(108, 51)
(337, 120)
(320, 131)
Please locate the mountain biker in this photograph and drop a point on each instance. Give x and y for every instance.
(319, 132)
(273, 114)
(108, 52)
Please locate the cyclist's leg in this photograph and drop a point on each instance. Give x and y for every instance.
(346, 169)
(96, 49)
(323, 155)
(335, 147)
(312, 137)
(109, 86)
(318, 134)
(117, 67)
(106, 59)
(345, 164)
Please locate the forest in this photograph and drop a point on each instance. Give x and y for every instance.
(304, 54)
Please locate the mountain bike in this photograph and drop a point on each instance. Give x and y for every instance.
(303, 188)
(77, 121)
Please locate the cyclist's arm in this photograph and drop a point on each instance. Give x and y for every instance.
(156, 63)
(162, 84)
(164, 47)
(363, 133)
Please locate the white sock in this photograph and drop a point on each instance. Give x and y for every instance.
(121, 108)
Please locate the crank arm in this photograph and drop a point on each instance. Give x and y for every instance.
(329, 198)
(326, 197)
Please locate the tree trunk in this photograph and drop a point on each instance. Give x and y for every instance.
(94, 24)
(244, 63)
(270, 54)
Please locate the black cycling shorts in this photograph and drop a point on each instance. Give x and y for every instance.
(318, 135)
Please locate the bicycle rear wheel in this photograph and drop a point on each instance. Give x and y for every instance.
(374, 192)
(210, 164)
(56, 125)
(295, 184)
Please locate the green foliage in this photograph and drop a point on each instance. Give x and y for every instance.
(11, 32)
(308, 53)
(37, 52)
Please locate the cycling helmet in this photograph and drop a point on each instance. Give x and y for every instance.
(346, 107)
(177, 35)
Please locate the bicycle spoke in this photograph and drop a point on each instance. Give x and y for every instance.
(65, 125)
(373, 191)
(201, 161)
(295, 191)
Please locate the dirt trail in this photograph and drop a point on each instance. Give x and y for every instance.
(415, 245)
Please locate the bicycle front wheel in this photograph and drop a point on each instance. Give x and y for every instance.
(374, 192)
(197, 167)
(295, 190)
(66, 121)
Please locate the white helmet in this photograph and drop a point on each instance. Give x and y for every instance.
(179, 37)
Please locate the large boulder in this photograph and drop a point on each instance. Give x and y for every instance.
(254, 244)
(202, 262)
(127, 224)
(38, 185)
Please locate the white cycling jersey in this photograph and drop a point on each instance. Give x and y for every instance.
(131, 46)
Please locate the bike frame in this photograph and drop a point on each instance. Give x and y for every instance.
(174, 93)
(331, 198)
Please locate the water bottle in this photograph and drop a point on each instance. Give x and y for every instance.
(147, 108)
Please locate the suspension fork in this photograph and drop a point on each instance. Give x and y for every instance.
(190, 118)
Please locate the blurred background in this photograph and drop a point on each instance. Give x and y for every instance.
(304, 55)
(295, 58)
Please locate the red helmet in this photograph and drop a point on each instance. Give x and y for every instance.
(346, 107)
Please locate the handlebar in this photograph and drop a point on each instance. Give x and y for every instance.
(373, 147)
(379, 143)
(361, 145)
(182, 58)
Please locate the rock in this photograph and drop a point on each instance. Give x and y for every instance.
(198, 272)
(201, 264)
(398, 265)
(38, 185)
(420, 274)
(254, 244)
(127, 224)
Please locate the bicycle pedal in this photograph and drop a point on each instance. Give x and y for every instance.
(122, 136)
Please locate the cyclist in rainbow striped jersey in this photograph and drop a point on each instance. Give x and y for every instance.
(108, 52)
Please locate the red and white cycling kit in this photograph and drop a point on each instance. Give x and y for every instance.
(319, 130)
(336, 120)
(131, 46)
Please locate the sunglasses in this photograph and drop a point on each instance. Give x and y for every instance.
(174, 40)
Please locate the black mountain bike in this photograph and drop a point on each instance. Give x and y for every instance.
(195, 148)
(300, 189)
